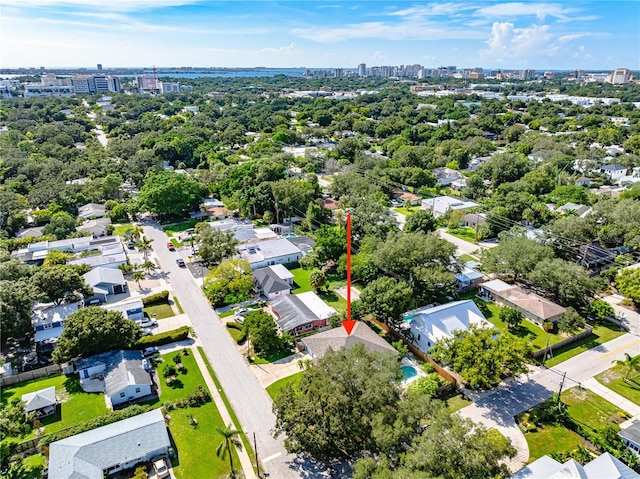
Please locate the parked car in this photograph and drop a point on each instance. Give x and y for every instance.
(131, 245)
(146, 332)
(170, 246)
(148, 323)
(180, 262)
(161, 468)
(150, 351)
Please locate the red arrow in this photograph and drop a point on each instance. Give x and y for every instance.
(348, 323)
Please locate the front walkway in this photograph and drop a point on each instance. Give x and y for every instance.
(268, 374)
(613, 397)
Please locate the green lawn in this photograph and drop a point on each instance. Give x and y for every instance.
(526, 330)
(274, 389)
(189, 440)
(601, 334)
(176, 243)
(613, 379)
(589, 409)
(76, 405)
(159, 311)
(271, 357)
(466, 234)
(406, 211)
(334, 300)
(467, 257)
(120, 230)
(455, 401)
(177, 228)
(550, 438)
(301, 280)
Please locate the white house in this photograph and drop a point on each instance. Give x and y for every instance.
(273, 281)
(92, 210)
(603, 466)
(123, 372)
(35, 253)
(97, 227)
(441, 205)
(105, 282)
(631, 436)
(269, 252)
(614, 171)
(431, 324)
(131, 309)
(111, 448)
(48, 321)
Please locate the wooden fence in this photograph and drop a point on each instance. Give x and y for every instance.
(540, 353)
(416, 352)
(26, 376)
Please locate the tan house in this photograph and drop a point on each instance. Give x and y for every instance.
(534, 307)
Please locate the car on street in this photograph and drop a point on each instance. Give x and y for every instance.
(170, 246)
(150, 351)
(148, 323)
(146, 332)
(161, 468)
(180, 262)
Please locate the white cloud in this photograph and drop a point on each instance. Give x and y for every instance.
(109, 5)
(285, 49)
(572, 36)
(386, 31)
(509, 43)
(435, 9)
(540, 10)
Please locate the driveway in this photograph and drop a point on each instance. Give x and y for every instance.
(465, 247)
(268, 374)
(498, 408)
(248, 398)
(631, 319)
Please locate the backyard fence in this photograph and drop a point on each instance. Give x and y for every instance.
(26, 376)
(540, 353)
(416, 352)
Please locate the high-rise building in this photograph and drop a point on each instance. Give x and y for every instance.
(114, 84)
(102, 84)
(169, 87)
(337, 73)
(527, 74)
(619, 76)
(362, 70)
(99, 67)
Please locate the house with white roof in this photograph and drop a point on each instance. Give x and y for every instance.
(432, 324)
(92, 210)
(604, 466)
(442, 205)
(269, 252)
(97, 227)
(48, 321)
(109, 449)
(109, 256)
(35, 253)
(573, 208)
(131, 309)
(469, 277)
(105, 282)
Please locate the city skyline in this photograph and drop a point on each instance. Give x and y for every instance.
(141, 33)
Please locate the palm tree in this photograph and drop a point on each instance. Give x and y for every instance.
(630, 363)
(229, 438)
(136, 231)
(138, 276)
(144, 245)
(148, 266)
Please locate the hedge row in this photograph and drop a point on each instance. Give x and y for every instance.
(237, 332)
(160, 339)
(159, 298)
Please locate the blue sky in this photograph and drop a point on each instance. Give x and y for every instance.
(565, 34)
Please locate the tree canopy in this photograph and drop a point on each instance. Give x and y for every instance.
(169, 193)
(94, 330)
(228, 283)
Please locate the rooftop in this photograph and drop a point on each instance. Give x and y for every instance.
(337, 338)
(604, 466)
(264, 250)
(531, 302)
(39, 399)
(102, 275)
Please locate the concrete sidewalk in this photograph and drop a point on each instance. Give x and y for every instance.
(613, 397)
(245, 461)
(268, 374)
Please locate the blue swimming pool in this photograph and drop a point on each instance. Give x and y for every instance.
(409, 372)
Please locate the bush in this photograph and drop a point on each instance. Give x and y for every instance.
(428, 368)
(427, 385)
(159, 298)
(168, 370)
(237, 332)
(160, 339)
(234, 325)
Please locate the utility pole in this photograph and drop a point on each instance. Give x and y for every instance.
(561, 384)
(255, 449)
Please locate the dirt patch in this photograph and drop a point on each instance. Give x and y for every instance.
(609, 376)
(579, 394)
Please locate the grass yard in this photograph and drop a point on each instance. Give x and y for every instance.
(274, 389)
(334, 300)
(120, 230)
(466, 234)
(549, 439)
(75, 406)
(602, 333)
(301, 280)
(178, 228)
(159, 311)
(271, 357)
(455, 401)
(190, 439)
(467, 257)
(406, 211)
(589, 409)
(176, 243)
(613, 379)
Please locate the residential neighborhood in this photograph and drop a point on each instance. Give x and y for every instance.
(212, 277)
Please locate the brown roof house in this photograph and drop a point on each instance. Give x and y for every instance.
(534, 307)
(337, 338)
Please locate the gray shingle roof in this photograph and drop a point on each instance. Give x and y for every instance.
(39, 399)
(124, 368)
(269, 282)
(86, 455)
(292, 312)
(337, 338)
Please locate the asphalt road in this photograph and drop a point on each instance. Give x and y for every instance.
(249, 400)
